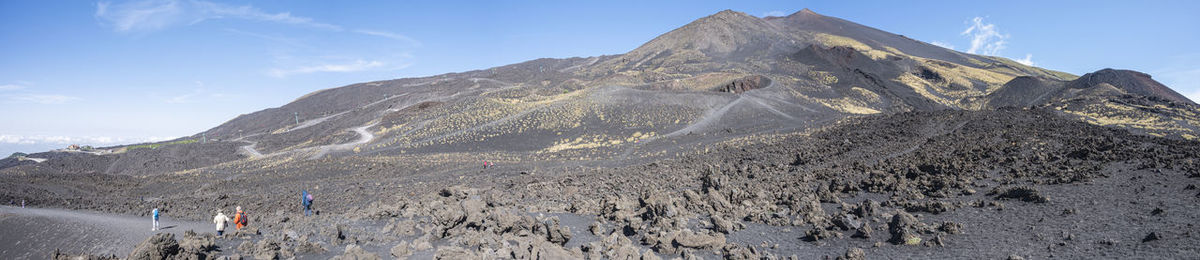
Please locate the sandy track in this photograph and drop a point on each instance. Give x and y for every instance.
(33, 233)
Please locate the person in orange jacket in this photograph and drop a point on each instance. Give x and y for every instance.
(240, 218)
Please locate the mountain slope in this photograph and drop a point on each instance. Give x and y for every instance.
(725, 76)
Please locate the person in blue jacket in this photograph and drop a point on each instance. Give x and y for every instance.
(306, 200)
(155, 213)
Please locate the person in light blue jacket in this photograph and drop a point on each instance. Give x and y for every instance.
(155, 214)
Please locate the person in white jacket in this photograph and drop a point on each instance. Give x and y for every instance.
(220, 220)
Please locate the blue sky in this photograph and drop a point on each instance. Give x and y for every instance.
(112, 72)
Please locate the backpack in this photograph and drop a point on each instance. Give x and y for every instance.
(243, 219)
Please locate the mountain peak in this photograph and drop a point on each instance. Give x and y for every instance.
(805, 12)
(717, 34)
(727, 14)
(1129, 81)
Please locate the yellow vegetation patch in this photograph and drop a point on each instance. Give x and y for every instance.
(835, 40)
(859, 101)
(1133, 116)
(921, 86)
(581, 142)
(823, 77)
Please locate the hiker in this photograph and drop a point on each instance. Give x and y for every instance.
(155, 214)
(220, 220)
(306, 199)
(240, 218)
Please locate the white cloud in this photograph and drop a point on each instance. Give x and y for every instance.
(81, 140)
(390, 35)
(357, 65)
(11, 87)
(1028, 60)
(986, 38)
(1194, 95)
(42, 99)
(1180, 74)
(776, 13)
(943, 44)
(153, 15)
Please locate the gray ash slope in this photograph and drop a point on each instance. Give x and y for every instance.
(812, 126)
(976, 184)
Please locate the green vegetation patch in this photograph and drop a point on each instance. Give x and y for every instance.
(156, 145)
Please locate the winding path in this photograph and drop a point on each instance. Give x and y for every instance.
(34, 233)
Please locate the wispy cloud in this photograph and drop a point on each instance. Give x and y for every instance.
(11, 87)
(42, 99)
(18, 93)
(1180, 73)
(357, 65)
(390, 35)
(986, 38)
(199, 94)
(153, 15)
(274, 38)
(1194, 95)
(1028, 60)
(776, 13)
(943, 44)
(82, 140)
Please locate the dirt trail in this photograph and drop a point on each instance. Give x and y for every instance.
(364, 136)
(33, 233)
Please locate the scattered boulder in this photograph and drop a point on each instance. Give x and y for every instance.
(720, 224)
(847, 222)
(266, 249)
(354, 252)
(59, 255)
(401, 250)
(934, 207)
(1022, 193)
(422, 243)
(556, 233)
(159, 246)
(404, 227)
(950, 227)
(197, 245)
(903, 228)
(453, 252)
(867, 209)
(863, 231)
(816, 234)
(690, 239)
(1151, 237)
(246, 248)
(854, 253)
(306, 247)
